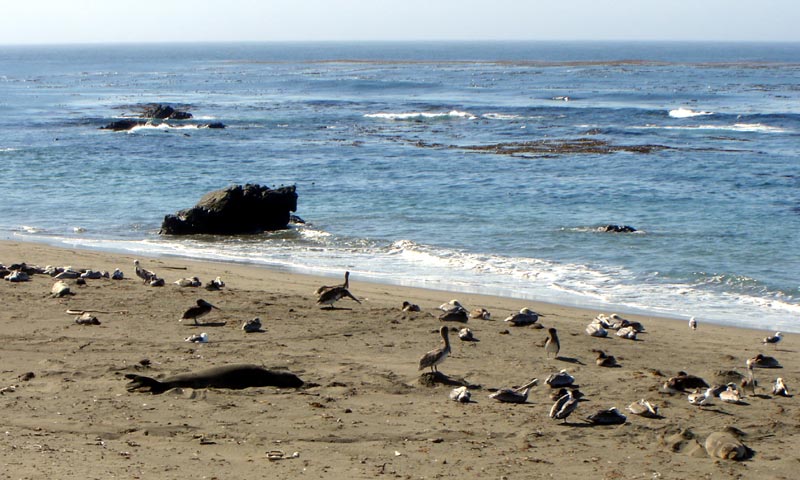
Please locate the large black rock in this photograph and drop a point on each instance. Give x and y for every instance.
(234, 210)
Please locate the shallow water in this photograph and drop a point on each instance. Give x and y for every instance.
(386, 144)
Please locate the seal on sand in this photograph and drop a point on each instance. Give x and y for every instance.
(235, 377)
(726, 446)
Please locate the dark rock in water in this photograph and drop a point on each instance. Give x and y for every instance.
(121, 125)
(163, 112)
(238, 209)
(212, 125)
(617, 228)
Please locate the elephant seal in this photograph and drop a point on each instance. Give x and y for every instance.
(726, 446)
(235, 377)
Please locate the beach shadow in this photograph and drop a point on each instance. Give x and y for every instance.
(431, 379)
(570, 360)
(331, 308)
(208, 324)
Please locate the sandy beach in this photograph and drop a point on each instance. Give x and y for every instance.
(364, 412)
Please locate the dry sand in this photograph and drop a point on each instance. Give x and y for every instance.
(366, 414)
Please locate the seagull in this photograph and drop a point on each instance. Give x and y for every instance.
(325, 288)
(117, 275)
(202, 308)
(410, 307)
(565, 405)
(466, 335)
(730, 394)
(514, 395)
(701, 398)
(779, 388)
(773, 339)
(215, 284)
(460, 394)
(146, 275)
(693, 323)
(333, 295)
(437, 355)
(552, 345)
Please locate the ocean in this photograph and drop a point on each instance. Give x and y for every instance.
(479, 167)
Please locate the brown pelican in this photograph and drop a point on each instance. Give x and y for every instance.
(730, 394)
(644, 409)
(455, 314)
(628, 333)
(481, 313)
(344, 285)
(437, 355)
(552, 345)
(333, 295)
(514, 395)
(565, 405)
(773, 339)
(202, 308)
(604, 360)
(525, 316)
(611, 416)
(763, 361)
(683, 381)
(560, 379)
(451, 305)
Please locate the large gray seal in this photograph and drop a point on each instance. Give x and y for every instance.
(726, 446)
(235, 377)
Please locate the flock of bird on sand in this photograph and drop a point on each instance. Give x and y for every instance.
(565, 395)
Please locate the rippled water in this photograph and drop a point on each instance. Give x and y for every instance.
(397, 154)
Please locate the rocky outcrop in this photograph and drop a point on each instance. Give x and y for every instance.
(239, 209)
(617, 228)
(164, 112)
(156, 114)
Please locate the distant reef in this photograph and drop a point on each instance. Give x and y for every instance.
(238, 209)
(156, 114)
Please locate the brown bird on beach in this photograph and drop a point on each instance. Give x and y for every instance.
(565, 405)
(146, 275)
(604, 360)
(202, 308)
(552, 345)
(344, 285)
(436, 356)
(410, 307)
(333, 295)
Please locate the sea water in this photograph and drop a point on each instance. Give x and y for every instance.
(440, 165)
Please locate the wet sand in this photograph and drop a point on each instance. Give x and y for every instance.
(364, 412)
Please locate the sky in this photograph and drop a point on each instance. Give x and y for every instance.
(136, 21)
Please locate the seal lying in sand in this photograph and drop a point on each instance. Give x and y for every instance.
(726, 446)
(229, 376)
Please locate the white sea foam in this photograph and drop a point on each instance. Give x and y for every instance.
(162, 126)
(684, 112)
(502, 116)
(421, 115)
(8, 149)
(737, 127)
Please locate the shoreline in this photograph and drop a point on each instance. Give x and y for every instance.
(364, 412)
(564, 299)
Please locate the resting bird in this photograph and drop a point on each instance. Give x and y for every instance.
(410, 307)
(604, 360)
(333, 295)
(565, 405)
(188, 282)
(437, 355)
(773, 339)
(701, 398)
(514, 395)
(779, 388)
(525, 316)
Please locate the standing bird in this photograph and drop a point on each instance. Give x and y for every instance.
(146, 275)
(773, 339)
(333, 295)
(552, 345)
(325, 288)
(436, 356)
(202, 308)
(693, 323)
(565, 405)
